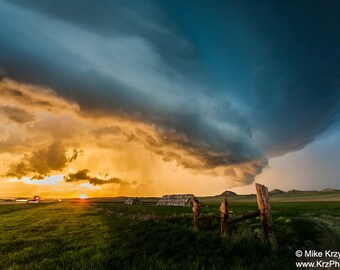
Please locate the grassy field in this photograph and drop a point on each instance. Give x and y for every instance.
(112, 236)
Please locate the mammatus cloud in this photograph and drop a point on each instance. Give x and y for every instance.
(85, 175)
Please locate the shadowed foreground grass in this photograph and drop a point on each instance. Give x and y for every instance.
(72, 236)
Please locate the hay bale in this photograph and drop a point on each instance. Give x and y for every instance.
(177, 200)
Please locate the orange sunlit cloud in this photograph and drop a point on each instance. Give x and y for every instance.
(48, 141)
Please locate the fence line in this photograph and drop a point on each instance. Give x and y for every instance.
(264, 212)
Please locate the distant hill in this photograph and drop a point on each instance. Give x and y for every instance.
(228, 193)
(277, 195)
(330, 190)
(276, 191)
(294, 191)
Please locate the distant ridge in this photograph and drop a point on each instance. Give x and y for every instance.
(276, 191)
(301, 191)
(277, 195)
(330, 190)
(228, 193)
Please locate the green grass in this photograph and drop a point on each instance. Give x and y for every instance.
(74, 236)
(10, 208)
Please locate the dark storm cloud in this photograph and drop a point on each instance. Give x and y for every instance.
(271, 81)
(75, 154)
(16, 114)
(297, 83)
(112, 130)
(83, 175)
(281, 59)
(41, 163)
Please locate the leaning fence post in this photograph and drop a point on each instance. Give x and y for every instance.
(196, 209)
(224, 216)
(266, 214)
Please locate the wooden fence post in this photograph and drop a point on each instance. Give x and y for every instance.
(196, 209)
(224, 212)
(266, 214)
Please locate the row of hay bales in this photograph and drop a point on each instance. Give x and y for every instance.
(169, 200)
(177, 200)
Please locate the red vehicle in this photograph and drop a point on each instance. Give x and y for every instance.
(35, 200)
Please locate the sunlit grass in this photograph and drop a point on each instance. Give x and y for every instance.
(73, 236)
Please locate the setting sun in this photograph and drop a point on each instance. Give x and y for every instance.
(83, 196)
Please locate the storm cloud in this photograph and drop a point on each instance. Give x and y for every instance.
(84, 175)
(218, 93)
(41, 163)
(16, 114)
